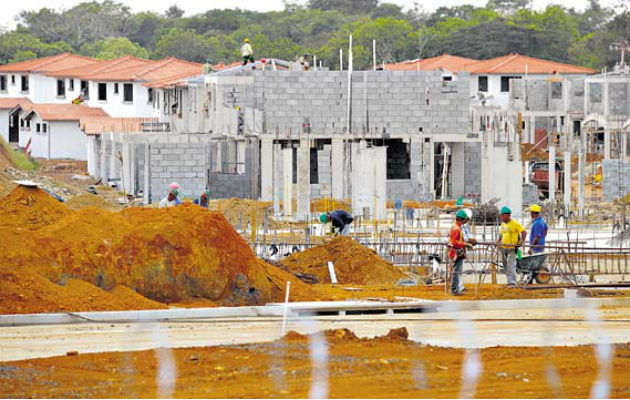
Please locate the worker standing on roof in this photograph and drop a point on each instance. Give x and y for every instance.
(539, 231)
(457, 252)
(340, 220)
(511, 236)
(247, 52)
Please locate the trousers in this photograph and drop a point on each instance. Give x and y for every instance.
(457, 275)
(509, 263)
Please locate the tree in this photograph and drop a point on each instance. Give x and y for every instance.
(182, 44)
(348, 6)
(12, 43)
(23, 55)
(174, 12)
(388, 10)
(508, 7)
(113, 48)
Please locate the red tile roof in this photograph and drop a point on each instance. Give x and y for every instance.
(100, 68)
(9, 103)
(98, 125)
(132, 69)
(520, 64)
(445, 61)
(64, 112)
(49, 64)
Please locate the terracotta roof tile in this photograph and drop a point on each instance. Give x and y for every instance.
(445, 61)
(49, 64)
(520, 64)
(9, 103)
(65, 112)
(98, 125)
(102, 70)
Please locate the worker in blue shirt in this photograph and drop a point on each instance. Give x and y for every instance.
(538, 232)
(204, 199)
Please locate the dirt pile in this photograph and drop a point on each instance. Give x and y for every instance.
(91, 200)
(27, 208)
(168, 255)
(354, 263)
(239, 212)
(24, 292)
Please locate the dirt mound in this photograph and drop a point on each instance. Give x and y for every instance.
(168, 255)
(239, 212)
(24, 292)
(299, 291)
(130, 296)
(354, 263)
(91, 200)
(27, 208)
(398, 334)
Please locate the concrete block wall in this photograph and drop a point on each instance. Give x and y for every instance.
(616, 179)
(322, 188)
(397, 102)
(184, 163)
(618, 98)
(472, 169)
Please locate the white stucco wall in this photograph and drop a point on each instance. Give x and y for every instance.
(115, 106)
(4, 124)
(13, 90)
(42, 89)
(66, 140)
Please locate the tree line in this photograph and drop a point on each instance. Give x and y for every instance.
(109, 29)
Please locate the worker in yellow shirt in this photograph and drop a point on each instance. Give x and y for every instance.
(511, 236)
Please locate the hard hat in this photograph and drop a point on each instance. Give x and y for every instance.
(323, 218)
(535, 208)
(461, 214)
(468, 212)
(246, 40)
(506, 210)
(174, 185)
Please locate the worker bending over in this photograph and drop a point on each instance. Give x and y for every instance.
(511, 237)
(340, 220)
(539, 231)
(172, 198)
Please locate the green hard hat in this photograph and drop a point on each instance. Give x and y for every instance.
(461, 214)
(506, 210)
(323, 218)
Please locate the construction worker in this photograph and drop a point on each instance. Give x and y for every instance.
(247, 52)
(169, 200)
(511, 236)
(340, 220)
(539, 231)
(174, 188)
(204, 199)
(457, 251)
(467, 238)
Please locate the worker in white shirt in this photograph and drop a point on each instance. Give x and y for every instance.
(247, 52)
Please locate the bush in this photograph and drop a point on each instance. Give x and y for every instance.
(17, 158)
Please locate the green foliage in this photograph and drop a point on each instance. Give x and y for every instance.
(113, 48)
(17, 158)
(107, 29)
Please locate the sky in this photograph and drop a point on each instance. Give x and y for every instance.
(11, 8)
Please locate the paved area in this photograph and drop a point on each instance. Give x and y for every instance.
(469, 329)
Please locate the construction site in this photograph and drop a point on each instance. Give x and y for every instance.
(117, 280)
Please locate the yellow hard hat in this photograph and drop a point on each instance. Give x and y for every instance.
(246, 40)
(535, 208)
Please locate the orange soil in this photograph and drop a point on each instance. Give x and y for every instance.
(385, 367)
(354, 263)
(435, 292)
(25, 292)
(167, 255)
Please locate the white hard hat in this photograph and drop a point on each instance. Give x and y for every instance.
(468, 212)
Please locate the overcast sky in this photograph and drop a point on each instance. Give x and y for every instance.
(11, 8)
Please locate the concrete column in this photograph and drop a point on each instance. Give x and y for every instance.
(146, 189)
(287, 169)
(337, 162)
(278, 177)
(552, 173)
(303, 180)
(266, 169)
(94, 158)
(415, 166)
(128, 167)
(567, 183)
(105, 150)
(457, 163)
(581, 171)
(114, 163)
(606, 143)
